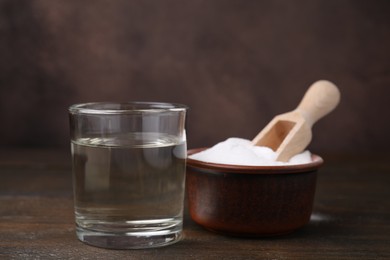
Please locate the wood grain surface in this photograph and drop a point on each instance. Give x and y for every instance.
(351, 218)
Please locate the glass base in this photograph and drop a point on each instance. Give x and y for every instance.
(130, 240)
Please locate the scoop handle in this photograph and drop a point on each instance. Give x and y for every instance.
(319, 100)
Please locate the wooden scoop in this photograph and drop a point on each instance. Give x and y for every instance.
(290, 133)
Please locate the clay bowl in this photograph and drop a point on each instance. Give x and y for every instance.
(251, 201)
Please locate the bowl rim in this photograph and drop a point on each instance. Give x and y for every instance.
(316, 163)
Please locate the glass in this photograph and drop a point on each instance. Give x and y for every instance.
(128, 173)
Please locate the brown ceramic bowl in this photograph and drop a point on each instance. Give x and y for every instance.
(251, 200)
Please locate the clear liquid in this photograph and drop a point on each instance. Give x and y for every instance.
(129, 190)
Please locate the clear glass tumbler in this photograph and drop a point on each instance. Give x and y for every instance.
(128, 173)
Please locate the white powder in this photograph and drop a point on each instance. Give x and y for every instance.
(238, 151)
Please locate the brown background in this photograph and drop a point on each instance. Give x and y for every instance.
(235, 63)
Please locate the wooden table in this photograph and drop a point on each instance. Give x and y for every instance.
(351, 217)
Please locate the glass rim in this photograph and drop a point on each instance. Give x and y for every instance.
(131, 107)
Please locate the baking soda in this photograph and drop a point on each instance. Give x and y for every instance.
(238, 151)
